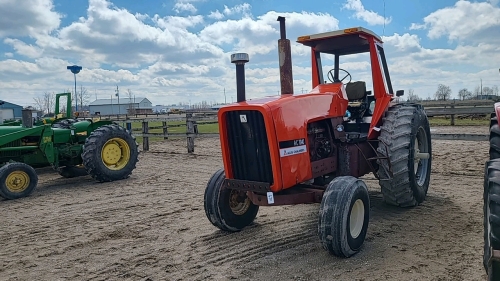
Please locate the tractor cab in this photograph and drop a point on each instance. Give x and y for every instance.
(331, 49)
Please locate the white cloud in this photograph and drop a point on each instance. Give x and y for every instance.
(8, 55)
(181, 6)
(370, 17)
(216, 15)
(27, 17)
(23, 48)
(238, 9)
(465, 21)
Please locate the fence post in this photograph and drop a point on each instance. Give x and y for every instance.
(452, 116)
(190, 132)
(129, 125)
(165, 130)
(145, 139)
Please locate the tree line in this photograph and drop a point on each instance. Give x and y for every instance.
(443, 93)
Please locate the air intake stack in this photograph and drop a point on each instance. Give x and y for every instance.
(285, 60)
(240, 59)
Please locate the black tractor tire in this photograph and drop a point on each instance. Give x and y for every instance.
(343, 216)
(494, 139)
(72, 171)
(492, 217)
(404, 136)
(228, 209)
(17, 180)
(110, 153)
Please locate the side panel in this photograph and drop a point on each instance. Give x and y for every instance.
(291, 121)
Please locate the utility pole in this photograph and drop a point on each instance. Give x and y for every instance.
(481, 88)
(225, 96)
(118, 95)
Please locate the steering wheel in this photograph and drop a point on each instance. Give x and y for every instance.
(331, 76)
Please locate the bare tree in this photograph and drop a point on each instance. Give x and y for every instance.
(131, 107)
(464, 94)
(443, 92)
(83, 97)
(487, 91)
(412, 97)
(46, 102)
(495, 90)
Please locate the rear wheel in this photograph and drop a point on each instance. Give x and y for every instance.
(110, 153)
(17, 180)
(405, 142)
(343, 216)
(491, 205)
(228, 209)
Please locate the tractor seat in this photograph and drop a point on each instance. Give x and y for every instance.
(356, 91)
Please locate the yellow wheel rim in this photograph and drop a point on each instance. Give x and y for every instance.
(115, 154)
(17, 181)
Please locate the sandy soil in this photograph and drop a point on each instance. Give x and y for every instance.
(153, 227)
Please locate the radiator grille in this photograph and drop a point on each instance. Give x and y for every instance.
(248, 146)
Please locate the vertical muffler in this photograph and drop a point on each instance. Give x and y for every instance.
(285, 60)
(240, 59)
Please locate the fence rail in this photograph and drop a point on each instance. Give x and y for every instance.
(192, 122)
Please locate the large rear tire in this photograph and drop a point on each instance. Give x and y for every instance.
(491, 207)
(110, 153)
(228, 209)
(343, 216)
(405, 142)
(17, 180)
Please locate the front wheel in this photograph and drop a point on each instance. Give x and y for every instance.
(17, 180)
(343, 216)
(228, 209)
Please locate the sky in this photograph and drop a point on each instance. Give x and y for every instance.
(179, 51)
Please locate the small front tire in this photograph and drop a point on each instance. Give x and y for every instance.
(17, 180)
(228, 209)
(343, 216)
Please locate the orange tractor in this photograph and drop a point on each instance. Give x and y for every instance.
(312, 148)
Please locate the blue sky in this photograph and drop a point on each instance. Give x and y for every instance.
(178, 51)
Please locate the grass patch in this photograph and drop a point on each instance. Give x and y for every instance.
(440, 121)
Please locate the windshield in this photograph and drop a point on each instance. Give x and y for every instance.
(352, 68)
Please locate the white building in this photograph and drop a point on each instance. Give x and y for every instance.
(136, 105)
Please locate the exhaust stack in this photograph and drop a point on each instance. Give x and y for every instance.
(240, 59)
(285, 60)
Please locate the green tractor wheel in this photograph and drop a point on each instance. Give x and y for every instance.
(110, 153)
(17, 180)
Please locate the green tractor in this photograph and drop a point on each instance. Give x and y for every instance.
(73, 147)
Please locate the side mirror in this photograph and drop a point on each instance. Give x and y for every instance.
(400, 93)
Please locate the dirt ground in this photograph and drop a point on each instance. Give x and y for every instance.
(152, 226)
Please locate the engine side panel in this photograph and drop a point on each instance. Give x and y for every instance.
(286, 119)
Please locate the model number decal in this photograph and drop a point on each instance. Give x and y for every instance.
(292, 143)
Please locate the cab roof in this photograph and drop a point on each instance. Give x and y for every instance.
(341, 42)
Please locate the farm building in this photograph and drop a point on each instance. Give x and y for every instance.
(126, 106)
(9, 111)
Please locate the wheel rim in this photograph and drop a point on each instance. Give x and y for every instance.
(17, 181)
(237, 205)
(421, 156)
(357, 218)
(115, 154)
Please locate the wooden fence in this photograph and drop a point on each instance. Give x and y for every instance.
(191, 129)
(192, 121)
(469, 108)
